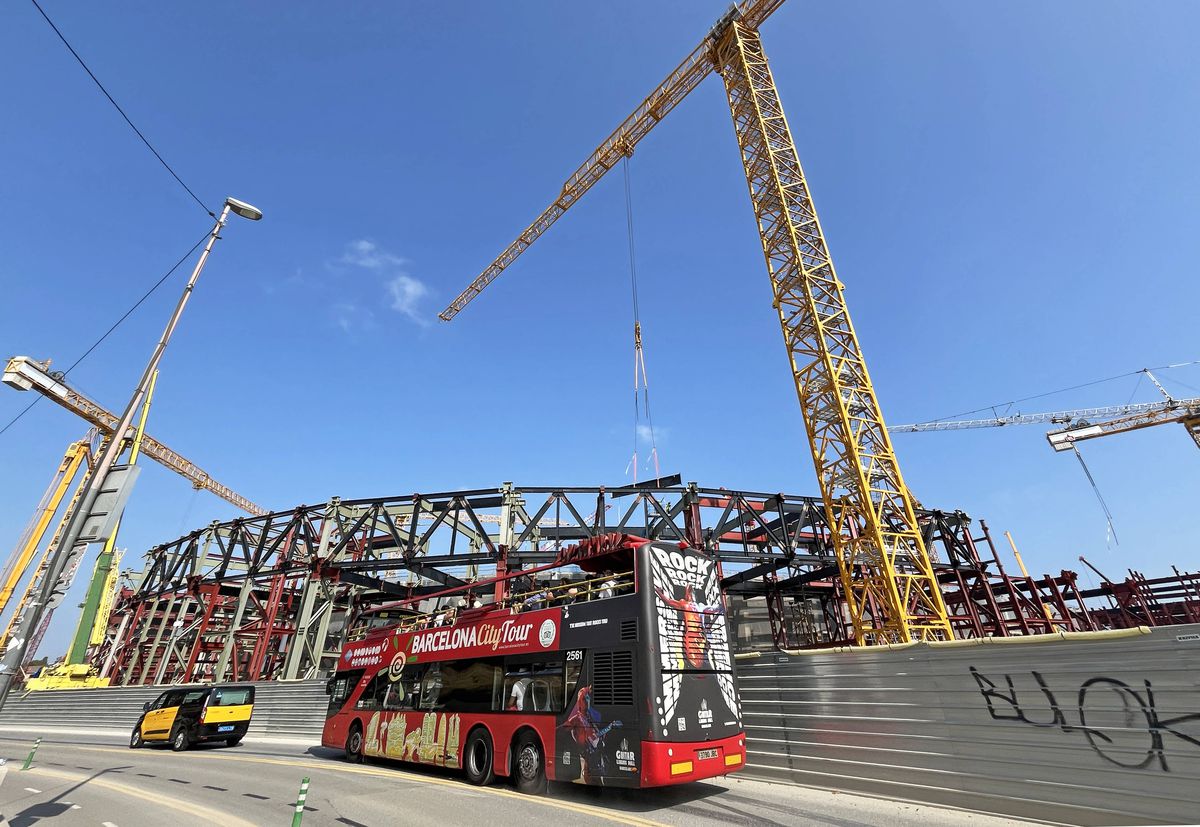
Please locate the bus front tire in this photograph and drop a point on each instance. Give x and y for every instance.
(135, 739)
(179, 739)
(478, 758)
(354, 744)
(529, 764)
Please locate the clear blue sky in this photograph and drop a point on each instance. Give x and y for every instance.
(1010, 192)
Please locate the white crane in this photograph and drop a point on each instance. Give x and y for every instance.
(1085, 423)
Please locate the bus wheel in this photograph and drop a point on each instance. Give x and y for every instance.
(529, 764)
(179, 739)
(354, 744)
(477, 758)
(135, 739)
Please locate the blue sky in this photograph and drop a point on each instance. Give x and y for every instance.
(1010, 192)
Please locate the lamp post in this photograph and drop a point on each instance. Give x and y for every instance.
(51, 591)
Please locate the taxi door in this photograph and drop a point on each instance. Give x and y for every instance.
(157, 722)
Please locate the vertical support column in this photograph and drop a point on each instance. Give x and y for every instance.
(231, 636)
(886, 573)
(308, 598)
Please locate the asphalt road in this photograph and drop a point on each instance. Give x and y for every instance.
(97, 780)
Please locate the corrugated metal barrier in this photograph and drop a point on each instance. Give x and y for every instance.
(1082, 728)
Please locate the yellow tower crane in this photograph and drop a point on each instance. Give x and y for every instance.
(885, 570)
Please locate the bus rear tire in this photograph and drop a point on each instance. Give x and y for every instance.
(354, 744)
(478, 758)
(529, 764)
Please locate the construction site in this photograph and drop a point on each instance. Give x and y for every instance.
(818, 584)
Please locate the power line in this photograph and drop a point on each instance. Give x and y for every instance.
(111, 100)
(114, 326)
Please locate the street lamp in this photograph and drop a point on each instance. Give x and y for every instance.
(51, 590)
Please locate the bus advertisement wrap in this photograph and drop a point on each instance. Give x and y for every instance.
(693, 645)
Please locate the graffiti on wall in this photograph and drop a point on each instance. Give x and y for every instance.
(1122, 724)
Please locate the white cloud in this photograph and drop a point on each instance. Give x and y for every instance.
(646, 434)
(364, 253)
(406, 293)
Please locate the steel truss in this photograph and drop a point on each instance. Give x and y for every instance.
(272, 596)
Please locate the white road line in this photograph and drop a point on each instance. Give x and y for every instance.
(31, 790)
(107, 824)
(74, 806)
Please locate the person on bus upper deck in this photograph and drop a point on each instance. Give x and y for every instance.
(609, 587)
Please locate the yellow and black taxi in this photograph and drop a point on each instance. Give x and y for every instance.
(190, 715)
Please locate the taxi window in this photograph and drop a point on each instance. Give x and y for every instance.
(160, 701)
(194, 697)
(232, 696)
(174, 699)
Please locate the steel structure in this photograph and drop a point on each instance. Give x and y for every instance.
(24, 373)
(885, 570)
(273, 596)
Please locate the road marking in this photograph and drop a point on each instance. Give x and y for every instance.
(333, 766)
(207, 814)
(31, 790)
(107, 824)
(75, 807)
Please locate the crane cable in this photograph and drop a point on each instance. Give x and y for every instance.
(641, 384)
(1112, 530)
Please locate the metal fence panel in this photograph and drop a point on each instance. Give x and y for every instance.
(1099, 728)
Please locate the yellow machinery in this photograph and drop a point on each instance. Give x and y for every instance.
(75, 457)
(74, 673)
(885, 570)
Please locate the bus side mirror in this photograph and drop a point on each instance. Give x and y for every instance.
(146, 706)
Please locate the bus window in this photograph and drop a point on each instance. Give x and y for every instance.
(340, 688)
(540, 686)
(574, 667)
(372, 696)
(395, 696)
(517, 683)
(431, 687)
(469, 686)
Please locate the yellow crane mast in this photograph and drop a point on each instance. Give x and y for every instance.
(884, 567)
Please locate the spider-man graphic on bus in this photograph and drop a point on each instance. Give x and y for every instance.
(698, 625)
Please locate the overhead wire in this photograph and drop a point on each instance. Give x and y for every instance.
(117, 106)
(113, 327)
(641, 382)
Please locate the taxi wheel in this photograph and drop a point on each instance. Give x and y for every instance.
(529, 764)
(354, 744)
(179, 739)
(135, 739)
(477, 758)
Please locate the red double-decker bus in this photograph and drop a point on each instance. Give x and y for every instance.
(611, 666)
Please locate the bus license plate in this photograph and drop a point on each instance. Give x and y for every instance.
(706, 753)
(225, 728)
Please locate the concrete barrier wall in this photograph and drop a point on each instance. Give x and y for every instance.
(1083, 728)
(294, 709)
